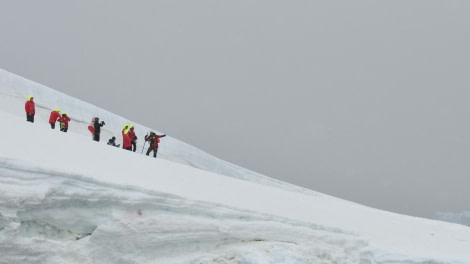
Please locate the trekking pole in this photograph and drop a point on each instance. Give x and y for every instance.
(143, 148)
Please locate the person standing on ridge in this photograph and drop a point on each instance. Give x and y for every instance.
(55, 115)
(64, 122)
(97, 129)
(30, 109)
(153, 140)
(126, 139)
(133, 137)
(125, 128)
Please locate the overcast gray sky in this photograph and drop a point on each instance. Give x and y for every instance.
(363, 100)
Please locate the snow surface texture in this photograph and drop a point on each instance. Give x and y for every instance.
(67, 199)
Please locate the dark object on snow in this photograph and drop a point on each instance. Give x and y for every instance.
(112, 142)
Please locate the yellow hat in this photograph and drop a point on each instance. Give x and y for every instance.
(131, 126)
(57, 110)
(125, 125)
(29, 97)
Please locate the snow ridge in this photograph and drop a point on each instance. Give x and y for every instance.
(66, 210)
(67, 199)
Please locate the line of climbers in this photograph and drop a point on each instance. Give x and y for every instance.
(55, 116)
(129, 138)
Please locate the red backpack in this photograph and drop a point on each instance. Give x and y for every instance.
(91, 128)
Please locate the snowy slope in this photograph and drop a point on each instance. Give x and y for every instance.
(16, 87)
(67, 199)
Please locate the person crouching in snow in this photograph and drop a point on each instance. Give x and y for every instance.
(127, 141)
(55, 115)
(153, 140)
(112, 142)
(64, 122)
(30, 109)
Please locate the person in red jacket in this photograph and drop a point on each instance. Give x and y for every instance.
(126, 139)
(125, 128)
(153, 140)
(133, 137)
(64, 122)
(30, 109)
(55, 115)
